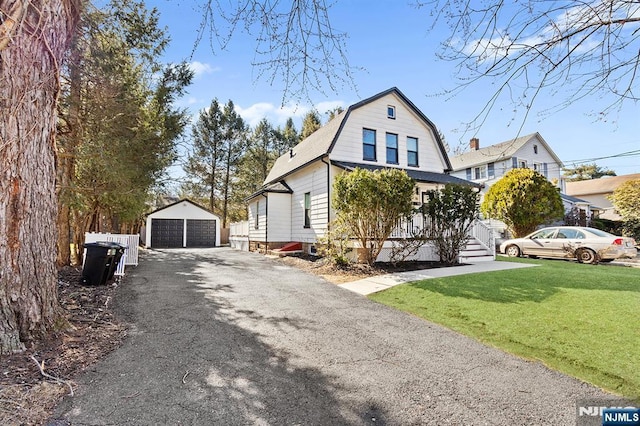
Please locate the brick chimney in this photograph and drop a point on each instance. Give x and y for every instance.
(474, 144)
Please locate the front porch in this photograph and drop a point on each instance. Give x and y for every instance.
(481, 245)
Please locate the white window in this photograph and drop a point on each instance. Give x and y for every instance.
(256, 219)
(391, 112)
(480, 172)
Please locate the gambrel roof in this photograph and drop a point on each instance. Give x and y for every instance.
(498, 152)
(321, 142)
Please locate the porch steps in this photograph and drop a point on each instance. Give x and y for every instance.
(475, 252)
(287, 249)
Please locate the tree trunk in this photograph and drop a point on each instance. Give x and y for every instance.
(227, 177)
(33, 37)
(66, 157)
(212, 193)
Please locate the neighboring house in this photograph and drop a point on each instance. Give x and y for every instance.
(585, 210)
(597, 191)
(182, 224)
(384, 131)
(488, 165)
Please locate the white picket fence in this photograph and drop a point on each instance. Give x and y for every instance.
(239, 235)
(130, 241)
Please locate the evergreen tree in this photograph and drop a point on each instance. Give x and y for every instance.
(286, 138)
(204, 162)
(523, 199)
(334, 112)
(586, 172)
(310, 124)
(257, 159)
(117, 124)
(235, 140)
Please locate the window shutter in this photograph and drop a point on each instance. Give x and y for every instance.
(469, 173)
(514, 162)
(544, 169)
(490, 170)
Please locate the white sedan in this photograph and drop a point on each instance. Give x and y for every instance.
(587, 245)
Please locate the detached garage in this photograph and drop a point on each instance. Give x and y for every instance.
(182, 224)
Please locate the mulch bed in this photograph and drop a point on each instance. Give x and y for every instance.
(27, 393)
(339, 274)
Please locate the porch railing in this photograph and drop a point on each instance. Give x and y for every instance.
(484, 234)
(408, 228)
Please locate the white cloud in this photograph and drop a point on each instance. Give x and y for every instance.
(324, 107)
(256, 112)
(200, 68)
(278, 115)
(567, 29)
(275, 115)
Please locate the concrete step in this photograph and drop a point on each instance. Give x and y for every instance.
(474, 259)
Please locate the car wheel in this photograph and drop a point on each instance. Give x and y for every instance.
(512, 251)
(586, 256)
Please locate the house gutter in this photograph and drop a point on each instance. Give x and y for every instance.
(266, 222)
(328, 191)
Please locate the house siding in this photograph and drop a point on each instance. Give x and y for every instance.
(258, 233)
(279, 217)
(373, 116)
(312, 179)
(543, 156)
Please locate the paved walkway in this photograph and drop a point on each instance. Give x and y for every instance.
(223, 337)
(383, 282)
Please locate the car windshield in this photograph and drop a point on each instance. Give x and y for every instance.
(599, 233)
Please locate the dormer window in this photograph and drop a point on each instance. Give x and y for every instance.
(391, 112)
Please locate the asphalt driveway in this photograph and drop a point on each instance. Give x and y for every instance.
(222, 337)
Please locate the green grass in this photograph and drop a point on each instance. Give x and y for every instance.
(583, 320)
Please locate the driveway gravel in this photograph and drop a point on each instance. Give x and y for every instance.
(223, 337)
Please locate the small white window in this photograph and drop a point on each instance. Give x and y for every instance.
(480, 172)
(391, 112)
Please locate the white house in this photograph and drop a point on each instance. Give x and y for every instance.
(182, 224)
(384, 131)
(488, 165)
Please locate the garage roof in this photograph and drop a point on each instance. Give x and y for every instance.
(181, 201)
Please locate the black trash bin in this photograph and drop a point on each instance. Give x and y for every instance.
(99, 262)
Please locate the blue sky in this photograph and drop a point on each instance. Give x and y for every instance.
(391, 44)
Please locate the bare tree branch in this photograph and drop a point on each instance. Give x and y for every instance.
(534, 48)
(296, 44)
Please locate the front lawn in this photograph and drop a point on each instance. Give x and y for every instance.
(583, 320)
